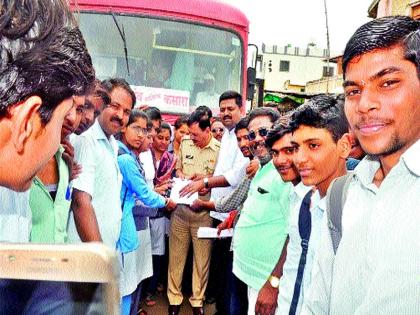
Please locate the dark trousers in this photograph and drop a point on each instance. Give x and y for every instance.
(135, 300)
(152, 282)
(238, 297)
(220, 273)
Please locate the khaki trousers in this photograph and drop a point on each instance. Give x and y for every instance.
(183, 230)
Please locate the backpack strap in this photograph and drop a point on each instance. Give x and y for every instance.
(305, 226)
(336, 197)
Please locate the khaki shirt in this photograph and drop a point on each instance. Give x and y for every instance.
(194, 160)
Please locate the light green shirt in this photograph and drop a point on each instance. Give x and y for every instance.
(49, 217)
(262, 227)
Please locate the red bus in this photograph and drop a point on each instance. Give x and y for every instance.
(176, 54)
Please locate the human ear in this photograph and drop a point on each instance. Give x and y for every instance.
(344, 146)
(23, 116)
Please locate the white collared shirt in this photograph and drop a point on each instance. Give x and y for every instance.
(377, 266)
(294, 248)
(101, 179)
(231, 163)
(15, 216)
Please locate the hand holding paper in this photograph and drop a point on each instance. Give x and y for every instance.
(178, 185)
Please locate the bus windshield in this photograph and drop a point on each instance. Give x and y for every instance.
(191, 64)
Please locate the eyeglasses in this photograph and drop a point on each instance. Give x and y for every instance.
(217, 130)
(253, 134)
(139, 130)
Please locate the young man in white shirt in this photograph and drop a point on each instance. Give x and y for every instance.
(279, 140)
(319, 135)
(376, 266)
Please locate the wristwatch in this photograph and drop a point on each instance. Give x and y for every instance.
(206, 182)
(274, 281)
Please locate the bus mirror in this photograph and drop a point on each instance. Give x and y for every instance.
(251, 76)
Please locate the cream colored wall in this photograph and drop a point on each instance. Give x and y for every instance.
(302, 69)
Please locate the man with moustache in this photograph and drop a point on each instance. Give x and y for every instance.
(264, 215)
(198, 157)
(375, 268)
(96, 203)
(229, 171)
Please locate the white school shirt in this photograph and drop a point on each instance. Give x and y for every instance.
(101, 179)
(377, 266)
(294, 249)
(231, 163)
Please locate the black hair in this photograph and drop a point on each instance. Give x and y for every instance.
(43, 53)
(322, 111)
(216, 119)
(412, 51)
(281, 127)
(111, 84)
(385, 32)
(100, 91)
(199, 117)
(165, 126)
(242, 124)
(205, 109)
(263, 111)
(153, 113)
(181, 120)
(137, 114)
(231, 95)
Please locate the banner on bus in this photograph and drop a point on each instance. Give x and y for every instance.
(171, 101)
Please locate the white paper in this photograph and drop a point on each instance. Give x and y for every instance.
(177, 185)
(207, 232)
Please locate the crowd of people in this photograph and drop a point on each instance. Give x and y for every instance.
(323, 201)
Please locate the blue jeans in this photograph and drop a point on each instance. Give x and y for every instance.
(238, 297)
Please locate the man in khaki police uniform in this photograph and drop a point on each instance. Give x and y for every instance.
(197, 159)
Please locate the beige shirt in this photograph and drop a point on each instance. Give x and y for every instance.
(195, 160)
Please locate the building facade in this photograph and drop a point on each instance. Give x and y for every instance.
(380, 8)
(288, 69)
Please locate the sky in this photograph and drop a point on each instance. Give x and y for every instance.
(299, 22)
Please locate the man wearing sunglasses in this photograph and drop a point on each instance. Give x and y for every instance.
(264, 215)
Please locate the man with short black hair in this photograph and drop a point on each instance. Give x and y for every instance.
(230, 170)
(264, 215)
(95, 102)
(97, 206)
(40, 42)
(321, 140)
(197, 159)
(373, 268)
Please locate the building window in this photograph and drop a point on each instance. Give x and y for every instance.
(327, 71)
(297, 51)
(284, 66)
